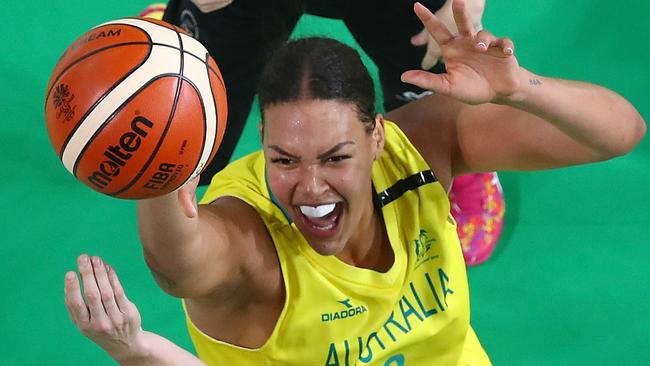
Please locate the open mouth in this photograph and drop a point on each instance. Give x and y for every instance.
(321, 220)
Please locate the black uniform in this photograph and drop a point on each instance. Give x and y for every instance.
(242, 36)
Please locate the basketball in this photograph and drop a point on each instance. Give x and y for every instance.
(135, 108)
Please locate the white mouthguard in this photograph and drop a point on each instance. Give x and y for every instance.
(318, 211)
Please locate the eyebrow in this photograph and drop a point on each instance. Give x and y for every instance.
(282, 151)
(321, 156)
(335, 149)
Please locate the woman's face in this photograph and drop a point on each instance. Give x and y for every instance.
(319, 159)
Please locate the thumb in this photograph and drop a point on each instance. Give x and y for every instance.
(437, 83)
(421, 38)
(187, 198)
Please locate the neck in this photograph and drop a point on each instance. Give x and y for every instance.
(370, 247)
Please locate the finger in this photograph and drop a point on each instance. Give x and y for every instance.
(437, 83)
(74, 302)
(484, 40)
(463, 18)
(91, 291)
(421, 38)
(127, 308)
(106, 291)
(187, 198)
(506, 45)
(434, 26)
(432, 56)
(121, 300)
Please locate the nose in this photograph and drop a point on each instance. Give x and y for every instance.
(312, 181)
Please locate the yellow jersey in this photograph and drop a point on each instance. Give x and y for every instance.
(415, 314)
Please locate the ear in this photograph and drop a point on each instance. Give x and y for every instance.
(379, 135)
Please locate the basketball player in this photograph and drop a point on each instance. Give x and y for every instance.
(334, 245)
(241, 35)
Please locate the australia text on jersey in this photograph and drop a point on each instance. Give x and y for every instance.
(418, 303)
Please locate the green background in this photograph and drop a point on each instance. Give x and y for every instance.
(568, 284)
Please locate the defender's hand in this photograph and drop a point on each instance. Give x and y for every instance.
(432, 55)
(480, 67)
(423, 38)
(106, 316)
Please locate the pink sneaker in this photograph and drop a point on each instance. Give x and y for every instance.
(154, 11)
(477, 205)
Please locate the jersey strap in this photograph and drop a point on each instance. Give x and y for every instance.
(407, 184)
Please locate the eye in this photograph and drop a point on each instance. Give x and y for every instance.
(282, 161)
(337, 158)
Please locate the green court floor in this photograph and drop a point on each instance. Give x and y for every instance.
(568, 284)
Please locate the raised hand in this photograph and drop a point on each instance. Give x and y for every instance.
(423, 38)
(480, 67)
(106, 316)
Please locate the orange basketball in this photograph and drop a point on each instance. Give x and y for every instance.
(135, 108)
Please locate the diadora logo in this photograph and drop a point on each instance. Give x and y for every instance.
(422, 248)
(347, 304)
(349, 311)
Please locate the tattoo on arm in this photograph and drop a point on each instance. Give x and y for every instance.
(534, 82)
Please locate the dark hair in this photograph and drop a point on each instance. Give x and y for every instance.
(318, 68)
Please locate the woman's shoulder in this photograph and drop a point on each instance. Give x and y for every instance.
(429, 124)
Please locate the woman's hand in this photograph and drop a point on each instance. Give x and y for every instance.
(103, 313)
(480, 67)
(187, 198)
